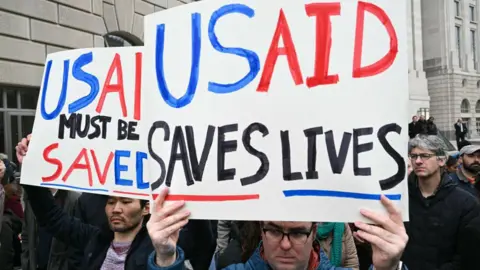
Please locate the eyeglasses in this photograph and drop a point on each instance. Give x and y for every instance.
(297, 238)
(423, 156)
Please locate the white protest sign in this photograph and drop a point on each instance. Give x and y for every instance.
(86, 135)
(278, 110)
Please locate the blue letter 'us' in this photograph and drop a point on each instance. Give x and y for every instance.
(63, 93)
(87, 78)
(194, 71)
(252, 57)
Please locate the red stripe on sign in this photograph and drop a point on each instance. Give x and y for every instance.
(210, 198)
(131, 193)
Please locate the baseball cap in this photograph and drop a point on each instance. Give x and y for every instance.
(469, 149)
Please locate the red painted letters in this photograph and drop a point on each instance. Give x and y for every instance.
(118, 87)
(283, 31)
(54, 161)
(322, 12)
(138, 86)
(81, 162)
(76, 165)
(384, 63)
(102, 176)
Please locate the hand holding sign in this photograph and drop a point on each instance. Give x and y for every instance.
(22, 148)
(388, 239)
(164, 228)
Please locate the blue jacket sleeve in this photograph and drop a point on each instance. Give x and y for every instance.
(179, 263)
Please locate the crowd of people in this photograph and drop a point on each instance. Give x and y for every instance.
(58, 229)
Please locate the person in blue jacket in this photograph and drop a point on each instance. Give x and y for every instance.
(284, 245)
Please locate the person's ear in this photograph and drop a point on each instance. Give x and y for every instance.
(441, 161)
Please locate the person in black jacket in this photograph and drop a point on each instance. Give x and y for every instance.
(125, 244)
(431, 127)
(413, 127)
(461, 131)
(440, 211)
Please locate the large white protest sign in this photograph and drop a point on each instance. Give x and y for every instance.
(86, 135)
(247, 110)
(278, 110)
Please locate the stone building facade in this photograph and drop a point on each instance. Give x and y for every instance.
(31, 29)
(417, 80)
(450, 38)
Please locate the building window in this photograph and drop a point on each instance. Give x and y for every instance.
(457, 8)
(477, 125)
(17, 113)
(465, 106)
(425, 112)
(458, 35)
(464, 82)
(472, 14)
(474, 47)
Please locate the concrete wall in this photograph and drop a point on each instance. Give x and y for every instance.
(451, 78)
(30, 29)
(417, 80)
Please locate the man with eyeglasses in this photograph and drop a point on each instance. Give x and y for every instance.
(284, 245)
(440, 211)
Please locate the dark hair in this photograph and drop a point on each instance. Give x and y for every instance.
(143, 203)
(451, 161)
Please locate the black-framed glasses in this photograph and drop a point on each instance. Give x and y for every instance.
(423, 156)
(295, 237)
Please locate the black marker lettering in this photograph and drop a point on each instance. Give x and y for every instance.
(65, 123)
(337, 162)
(122, 130)
(286, 159)
(223, 148)
(264, 163)
(158, 125)
(96, 127)
(199, 167)
(360, 148)
(311, 135)
(178, 141)
(82, 133)
(398, 177)
(132, 136)
(105, 120)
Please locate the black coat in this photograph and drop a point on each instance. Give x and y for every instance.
(414, 129)
(62, 255)
(94, 241)
(458, 132)
(438, 225)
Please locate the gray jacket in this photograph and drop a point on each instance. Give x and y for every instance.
(62, 255)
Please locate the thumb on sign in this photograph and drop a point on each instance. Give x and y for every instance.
(22, 148)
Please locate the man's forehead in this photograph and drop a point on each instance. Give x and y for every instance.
(289, 224)
(419, 150)
(119, 198)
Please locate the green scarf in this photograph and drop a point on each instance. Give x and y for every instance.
(324, 230)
